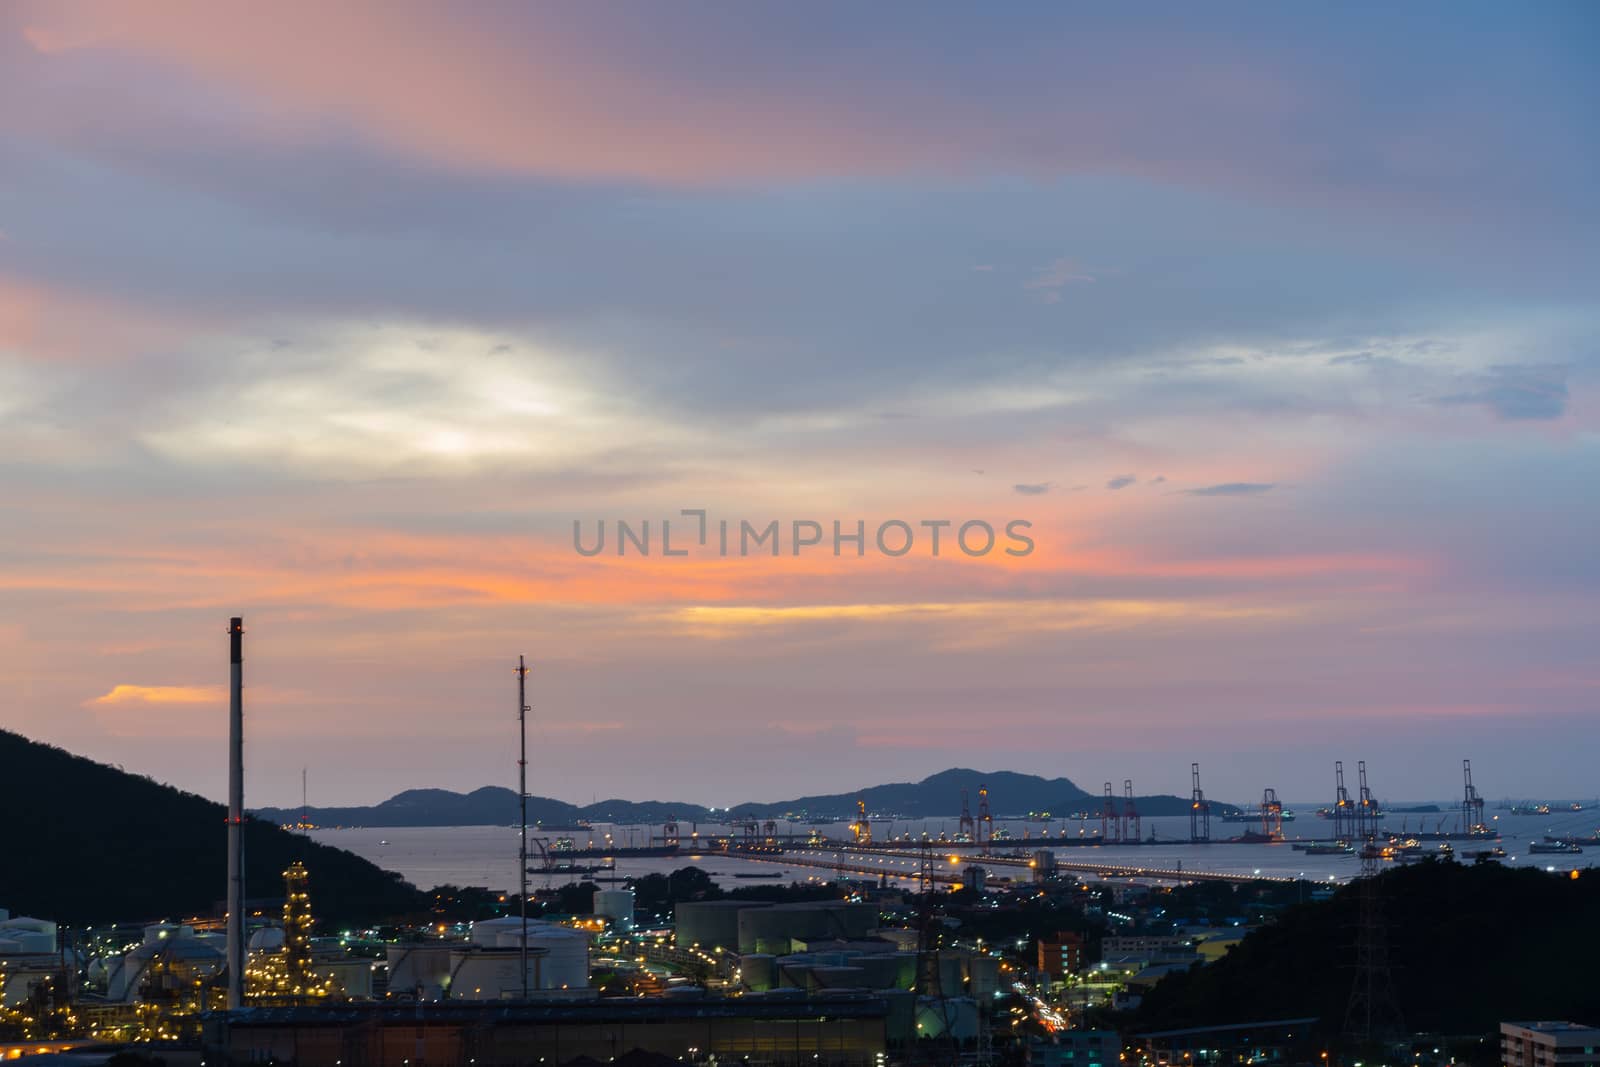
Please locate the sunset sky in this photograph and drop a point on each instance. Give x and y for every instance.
(1280, 323)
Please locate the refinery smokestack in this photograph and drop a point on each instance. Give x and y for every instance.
(236, 958)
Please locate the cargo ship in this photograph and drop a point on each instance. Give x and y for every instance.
(567, 850)
(1557, 848)
(1253, 816)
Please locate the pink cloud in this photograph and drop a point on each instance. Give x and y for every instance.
(495, 89)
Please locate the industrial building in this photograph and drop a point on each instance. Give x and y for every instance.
(28, 957)
(1549, 1044)
(1061, 955)
(842, 1030)
(169, 954)
(1076, 1048)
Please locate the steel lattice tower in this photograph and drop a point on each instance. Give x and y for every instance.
(1373, 1014)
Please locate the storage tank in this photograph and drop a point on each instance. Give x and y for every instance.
(351, 976)
(759, 971)
(837, 978)
(158, 932)
(267, 939)
(489, 932)
(616, 905)
(423, 967)
(492, 973)
(951, 974)
(563, 952)
(878, 971)
(906, 975)
(713, 923)
(566, 960)
(794, 973)
(983, 976)
(775, 929)
(30, 935)
(956, 1016)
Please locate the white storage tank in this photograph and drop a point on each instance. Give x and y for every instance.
(492, 973)
(156, 933)
(422, 967)
(267, 939)
(616, 905)
(564, 952)
(29, 935)
(566, 962)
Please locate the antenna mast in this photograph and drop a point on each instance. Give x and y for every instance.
(522, 802)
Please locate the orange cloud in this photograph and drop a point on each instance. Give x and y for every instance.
(158, 694)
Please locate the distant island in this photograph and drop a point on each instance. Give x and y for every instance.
(1011, 796)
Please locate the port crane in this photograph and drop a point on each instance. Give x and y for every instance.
(967, 829)
(862, 827)
(1343, 809)
(1471, 803)
(1199, 808)
(1368, 812)
(1271, 814)
(985, 820)
(1130, 813)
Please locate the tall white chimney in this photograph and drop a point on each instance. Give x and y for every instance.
(236, 950)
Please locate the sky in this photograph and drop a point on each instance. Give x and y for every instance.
(1278, 325)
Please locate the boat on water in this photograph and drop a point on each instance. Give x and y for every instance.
(566, 849)
(1530, 809)
(759, 874)
(1255, 817)
(1556, 848)
(1338, 848)
(574, 868)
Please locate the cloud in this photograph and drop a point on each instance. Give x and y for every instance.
(1517, 393)
(1233, 489)
(158, 694)
(1121, 481)
(1059, 274)
(1034, 489)
(1158, 479)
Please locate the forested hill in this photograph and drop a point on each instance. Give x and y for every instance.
(90, 843)
(1469, 946)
